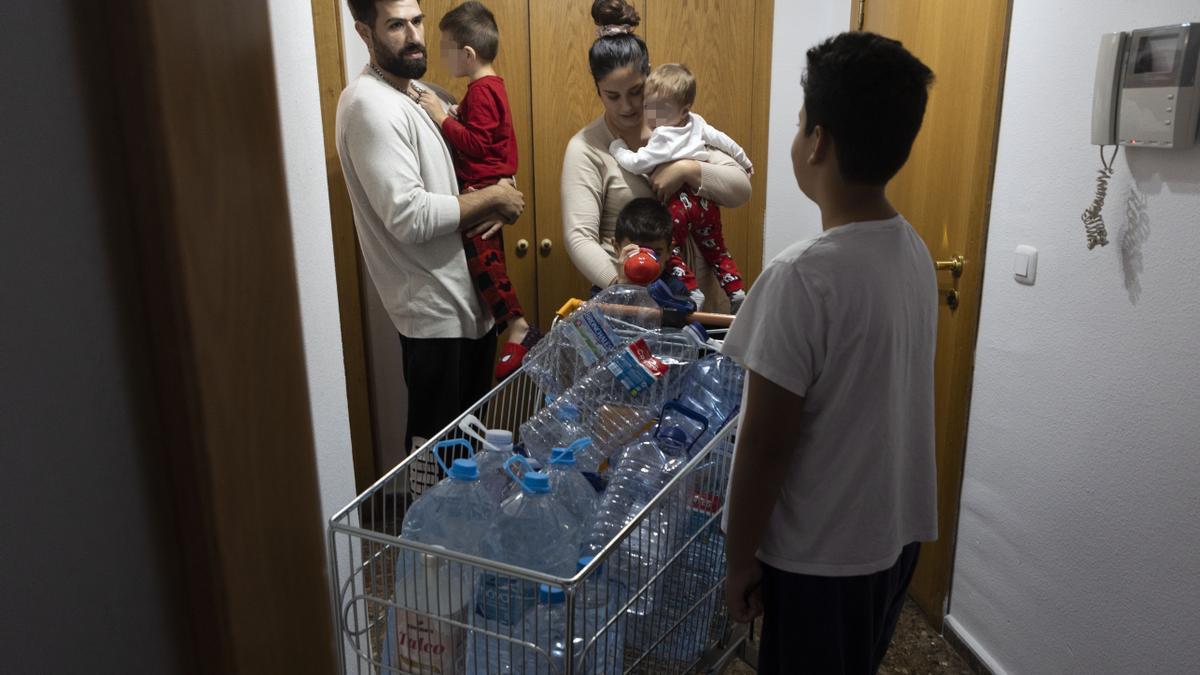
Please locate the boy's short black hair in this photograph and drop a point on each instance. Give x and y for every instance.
(473, 25)
(643, 220)
(869, 93)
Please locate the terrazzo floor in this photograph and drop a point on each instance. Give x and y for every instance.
(915, 650)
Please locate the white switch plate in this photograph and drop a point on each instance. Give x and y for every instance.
(1025, 264)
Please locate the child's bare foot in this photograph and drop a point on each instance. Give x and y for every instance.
(517, 329)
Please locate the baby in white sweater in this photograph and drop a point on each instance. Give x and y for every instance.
(678, 133)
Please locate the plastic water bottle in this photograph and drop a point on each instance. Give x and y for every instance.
(495, 447)
(452, 515)
(532, 530)
(428, 586)
(594, 652)
(590, 462)
(642, 470)
(711, 386)
(618, 399)
(691, 580)
(589, 334)
(561, 428)
(571, 488)
(601, 649)
(493, 453)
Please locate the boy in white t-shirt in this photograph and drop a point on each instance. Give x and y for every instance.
(833, 480)
(678, 133)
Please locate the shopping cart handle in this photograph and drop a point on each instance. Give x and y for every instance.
(569, 306)
(671, 318)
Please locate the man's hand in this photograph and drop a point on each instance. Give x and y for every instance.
(453, 111)
(508, 202)
(668, 178)
(743, 592)
(433, 105)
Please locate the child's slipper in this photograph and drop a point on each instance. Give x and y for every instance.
(512, 354)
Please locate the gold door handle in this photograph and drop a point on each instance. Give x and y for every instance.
(522, 247)
(545, 246)
(955, 265)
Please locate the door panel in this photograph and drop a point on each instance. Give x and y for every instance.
(512, 64)
(704, 35)
(945, 192)
(564, 101)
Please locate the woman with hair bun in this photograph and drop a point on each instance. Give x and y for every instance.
(594, 187)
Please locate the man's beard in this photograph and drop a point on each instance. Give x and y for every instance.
(401, 67)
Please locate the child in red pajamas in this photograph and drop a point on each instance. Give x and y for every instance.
(677, 133)
(484, 148)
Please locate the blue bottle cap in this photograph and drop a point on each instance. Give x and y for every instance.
(464, 469)
(551, 595)
(563, 456)
(537, 482)
(583, 562)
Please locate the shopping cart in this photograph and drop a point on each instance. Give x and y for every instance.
(670, 618)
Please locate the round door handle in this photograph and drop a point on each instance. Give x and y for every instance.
(522, 247)
(546, 246)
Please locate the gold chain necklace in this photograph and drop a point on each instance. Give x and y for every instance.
(416, 92)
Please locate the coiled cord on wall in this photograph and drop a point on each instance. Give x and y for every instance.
(1093, 219)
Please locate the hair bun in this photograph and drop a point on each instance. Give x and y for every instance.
(615, 13)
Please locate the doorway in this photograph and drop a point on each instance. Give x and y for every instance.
(543, 59)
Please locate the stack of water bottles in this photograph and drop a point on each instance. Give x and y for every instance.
(596, 459)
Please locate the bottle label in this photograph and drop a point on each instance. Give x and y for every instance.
(592, 337)
(419, 643)
(702, 508)
(504, 599)
(637, 368)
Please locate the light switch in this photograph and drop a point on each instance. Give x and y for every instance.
(1025, 264)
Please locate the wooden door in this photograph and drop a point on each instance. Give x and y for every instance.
(564, 101)
(512, 64)
(731, 81)
(733, 93)
(186, 97)
(945, 192)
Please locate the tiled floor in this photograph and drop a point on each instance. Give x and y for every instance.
(916, 650)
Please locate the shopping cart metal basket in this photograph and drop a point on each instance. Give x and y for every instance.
(669, 619)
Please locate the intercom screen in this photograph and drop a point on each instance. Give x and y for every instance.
(1156, 54)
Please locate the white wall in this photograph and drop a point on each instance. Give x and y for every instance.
(1079, 538)
(1080, 520)
(86, 586)
(308, 201)
(799, 24)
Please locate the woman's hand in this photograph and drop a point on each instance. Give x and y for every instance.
(668, 178)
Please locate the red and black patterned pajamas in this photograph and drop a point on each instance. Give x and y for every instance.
(700, 219)
(485, 150)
